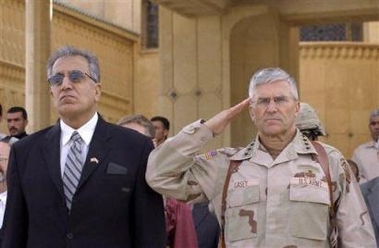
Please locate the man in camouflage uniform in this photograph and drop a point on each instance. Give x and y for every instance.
(278, 195)
(308, 122)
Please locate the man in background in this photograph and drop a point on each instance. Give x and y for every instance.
(139, 123)
(17, 120)
(180, 229)
(308, 123)
(5, 147)
(366, 156)
(162, 128)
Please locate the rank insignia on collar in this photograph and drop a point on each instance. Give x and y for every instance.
(210, 154)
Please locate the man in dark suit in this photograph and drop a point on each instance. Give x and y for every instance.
(370, 192)
(81, 183)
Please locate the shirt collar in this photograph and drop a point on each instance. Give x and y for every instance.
(86, 131)
(370, 144)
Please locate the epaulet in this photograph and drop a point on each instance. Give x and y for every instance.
(249, 148)
(244, 153)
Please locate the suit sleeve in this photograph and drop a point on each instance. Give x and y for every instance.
(16, 217)
(149, 222)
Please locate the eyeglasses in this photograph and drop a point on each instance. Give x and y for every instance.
(265, 102)
(374, 123)
(75, 76)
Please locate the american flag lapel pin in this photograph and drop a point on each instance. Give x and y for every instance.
(92, 160)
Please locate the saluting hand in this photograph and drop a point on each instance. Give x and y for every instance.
(218, 123)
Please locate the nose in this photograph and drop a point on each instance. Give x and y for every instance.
(66, 82)
(271, 107)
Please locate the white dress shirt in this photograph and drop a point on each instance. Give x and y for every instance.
(86, 132)
(3, 202)
(366, 156)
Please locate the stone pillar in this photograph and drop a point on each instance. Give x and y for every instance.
(37, 43)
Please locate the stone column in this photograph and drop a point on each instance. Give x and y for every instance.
(37, 43)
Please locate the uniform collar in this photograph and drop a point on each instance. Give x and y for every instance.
(299, 145)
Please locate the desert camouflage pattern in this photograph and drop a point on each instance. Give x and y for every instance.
(270, 203)
(307, 119)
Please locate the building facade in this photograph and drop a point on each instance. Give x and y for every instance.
(206, 53)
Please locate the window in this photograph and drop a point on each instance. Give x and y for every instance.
(332, 32)
(150, 34)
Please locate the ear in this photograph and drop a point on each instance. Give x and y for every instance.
(251, 112)
(97, 91)
(166, 132)
(297, 108)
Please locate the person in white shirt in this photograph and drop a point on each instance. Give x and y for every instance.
(4, 155)
(366, 156)
(5, 147)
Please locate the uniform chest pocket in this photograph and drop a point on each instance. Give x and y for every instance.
(309, 216)
(241, 211)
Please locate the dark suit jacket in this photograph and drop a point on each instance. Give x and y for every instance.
(370, 191)
(206, 225)
(113, 206)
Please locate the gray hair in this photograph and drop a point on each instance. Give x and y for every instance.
(69, 51)
(374, 114)
(270, 75)
(140, 120)
(8, 139)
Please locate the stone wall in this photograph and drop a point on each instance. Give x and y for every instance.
(341, 81)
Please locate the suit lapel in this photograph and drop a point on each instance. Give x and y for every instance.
(97, 151)
(51, 153)
(372, 198)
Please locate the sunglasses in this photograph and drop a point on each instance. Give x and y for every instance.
(74, 76)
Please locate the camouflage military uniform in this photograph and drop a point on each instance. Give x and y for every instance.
(270, 203)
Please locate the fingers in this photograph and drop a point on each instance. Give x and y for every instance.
(236, 109)
(218, 122)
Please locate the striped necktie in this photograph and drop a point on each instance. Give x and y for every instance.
(73, 168)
